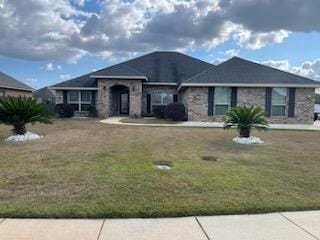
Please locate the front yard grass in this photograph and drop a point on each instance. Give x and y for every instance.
(82, 168)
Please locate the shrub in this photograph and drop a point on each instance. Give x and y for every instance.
(159, 111)
(50, 107)
(18, 111)
(175, 111)
(245, 119)
(64, 110)
(92, 111)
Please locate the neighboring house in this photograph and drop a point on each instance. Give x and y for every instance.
(134, 87)
(12, 87)
(44, 95)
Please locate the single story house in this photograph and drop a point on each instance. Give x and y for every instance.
(134, 87)
(12, 87)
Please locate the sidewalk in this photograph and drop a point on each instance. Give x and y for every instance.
(274, 226)
(116, 120)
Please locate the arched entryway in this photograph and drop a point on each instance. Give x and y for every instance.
(119, 100)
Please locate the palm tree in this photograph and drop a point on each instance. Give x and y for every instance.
(18, 111)
(245, 119)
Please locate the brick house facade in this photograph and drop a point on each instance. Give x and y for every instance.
(134, 87)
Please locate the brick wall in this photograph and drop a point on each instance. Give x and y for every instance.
(196, 101)
(104, 96)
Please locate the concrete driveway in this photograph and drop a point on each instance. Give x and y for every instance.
(274, 226)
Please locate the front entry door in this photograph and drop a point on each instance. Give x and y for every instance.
(124, 103)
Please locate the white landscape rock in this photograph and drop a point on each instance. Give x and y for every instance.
(163, 167)
(249, 140)
(25, 137)
(316, 123)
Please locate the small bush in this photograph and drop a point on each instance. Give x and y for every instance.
(159, 111)
(64, 110)
(175, 111)
(93, 111)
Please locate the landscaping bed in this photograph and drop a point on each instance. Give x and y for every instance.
(82, 168)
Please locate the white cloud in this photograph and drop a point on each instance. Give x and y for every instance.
(65, 77)
(51, 67)
(252, 40)
(217, 61)
(232, 52)
(281, 64)
(310, 69)
(79, 2)
(60, 29)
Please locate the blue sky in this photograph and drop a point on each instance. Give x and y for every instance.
(55, 41)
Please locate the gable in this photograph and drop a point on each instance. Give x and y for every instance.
(241, 71)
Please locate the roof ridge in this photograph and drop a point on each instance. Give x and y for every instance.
(198, 74)
(197, 59)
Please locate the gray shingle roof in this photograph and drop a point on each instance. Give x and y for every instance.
(166, 67)
(119, 70)
(82, 81)
(9, 82)
(173, 67)
(238, 70)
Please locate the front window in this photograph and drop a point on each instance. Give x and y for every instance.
(221, 100)
(73, 97)
(161, 99)
(80, 100)
(1, 93)
(279, 102)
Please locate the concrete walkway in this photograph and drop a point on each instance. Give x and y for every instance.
(116, 120)
(274, 226)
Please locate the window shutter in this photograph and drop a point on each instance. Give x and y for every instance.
(268, 102)
(148, 103)
(292, 100)
(234, 97)
(65, 97)
(210, 100)
(93, 98)
(175, 98)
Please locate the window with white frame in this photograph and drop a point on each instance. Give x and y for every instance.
(80, 100)
(2, 93)
(279, 102)
(161, 99)
(222, 99)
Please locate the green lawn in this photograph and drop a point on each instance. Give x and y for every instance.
(82, 168)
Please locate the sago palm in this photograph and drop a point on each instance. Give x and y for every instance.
(245, 119)
(18, 111)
